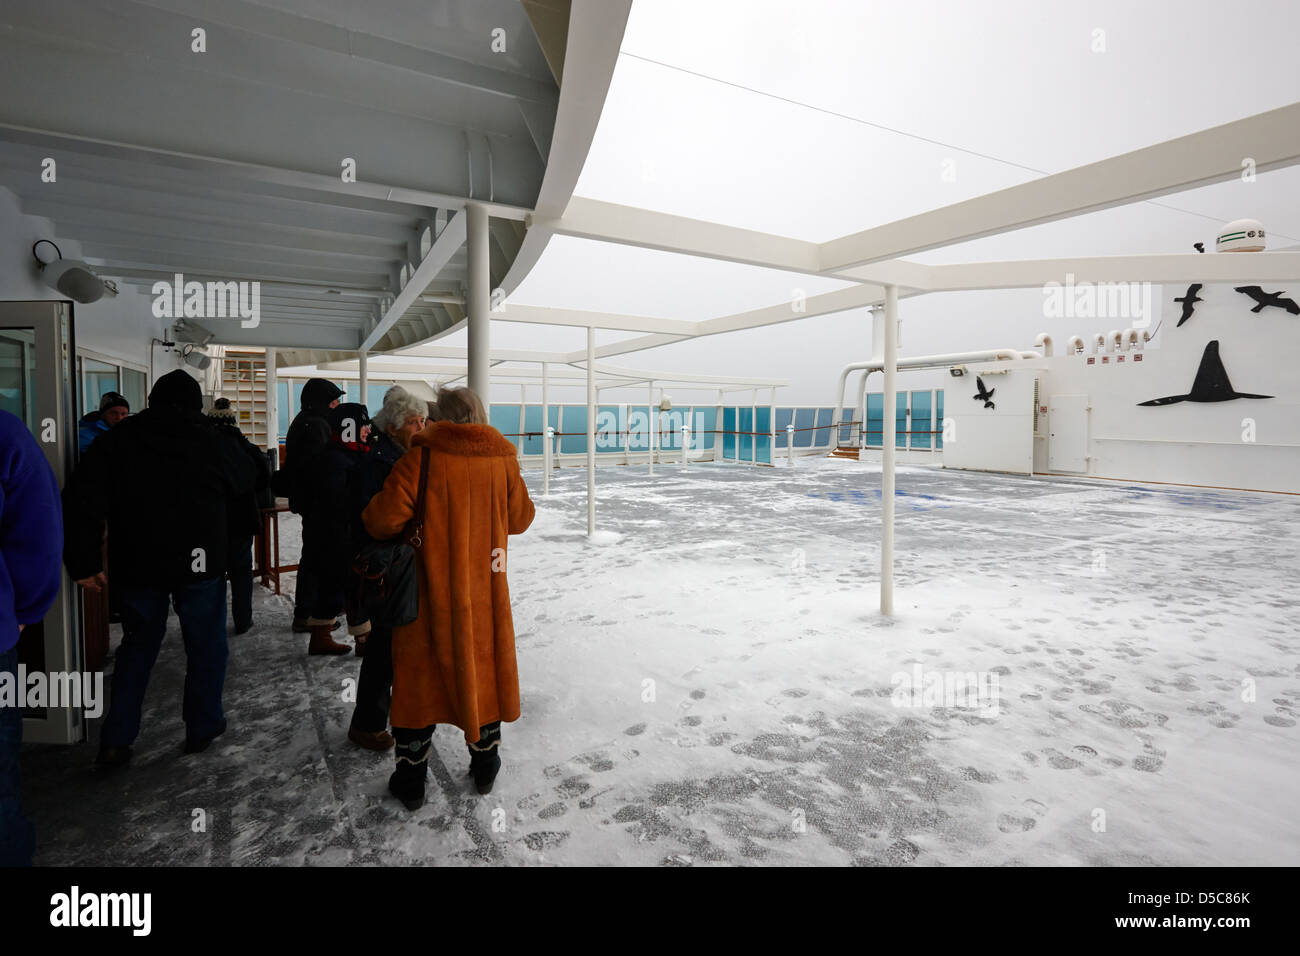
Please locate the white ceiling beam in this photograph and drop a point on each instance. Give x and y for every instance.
(640, 343)
(444, 247)
(597, 320)
(854, 297)
(1271, 139)
(1175, 268)
(627, 225)
(682, 378)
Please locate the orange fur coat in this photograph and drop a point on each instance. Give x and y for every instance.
(455, 664)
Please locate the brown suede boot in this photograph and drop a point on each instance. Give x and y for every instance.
(379, 740)
(322, 643)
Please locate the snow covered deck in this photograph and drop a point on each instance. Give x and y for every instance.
(709, 682)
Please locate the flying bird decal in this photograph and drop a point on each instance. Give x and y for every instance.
(985, 394)
(1274, 299)
(1189, 301)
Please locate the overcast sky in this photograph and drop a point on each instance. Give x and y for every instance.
(822, 118)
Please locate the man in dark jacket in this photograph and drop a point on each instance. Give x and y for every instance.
(31, 531)
(326, 523)
(308, 436)
(163, 480)
(112, 409)
(245, 519)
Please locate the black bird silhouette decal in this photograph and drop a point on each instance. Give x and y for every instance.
(1189, 302)
(985, 394)
(1274, 299)
(1198, 246)
(1210, 385)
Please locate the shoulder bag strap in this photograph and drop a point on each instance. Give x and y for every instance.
(415, 527)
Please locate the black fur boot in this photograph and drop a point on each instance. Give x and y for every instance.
(407, 781)
(485, 757)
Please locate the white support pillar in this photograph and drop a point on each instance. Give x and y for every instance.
(890, 359)
(877, 355)
(652, 419)
(523, 419)
(478, 301)
(771, 429)
(719, 430)
(548, 434)
(591, 431)
(272, 404)
(363, 375)
(789, 445)
(686, 445)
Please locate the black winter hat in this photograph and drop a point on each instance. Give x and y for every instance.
(113, 400)
(318, 393)
(177, 389)
(355, 411)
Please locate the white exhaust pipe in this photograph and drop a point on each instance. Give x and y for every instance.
(915, 362)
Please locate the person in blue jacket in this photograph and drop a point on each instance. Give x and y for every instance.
(112, 409)
(31, 544)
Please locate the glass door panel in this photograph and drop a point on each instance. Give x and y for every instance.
(38, 385)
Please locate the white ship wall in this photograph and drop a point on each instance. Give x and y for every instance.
(1091, 421)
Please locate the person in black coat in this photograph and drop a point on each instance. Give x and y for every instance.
(308, 436)
(402, 417)
(327, 523)
(245, 519)
(164, 481)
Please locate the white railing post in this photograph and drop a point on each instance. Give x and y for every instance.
(651, 421)
(789, 444)
(686, 445)
(546, 461)
(591, 431)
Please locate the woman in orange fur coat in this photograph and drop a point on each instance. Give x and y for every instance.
(455, 663)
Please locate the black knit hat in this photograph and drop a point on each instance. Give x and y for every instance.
(177, 389)
(113, 400)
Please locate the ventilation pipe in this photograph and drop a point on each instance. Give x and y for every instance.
(1098, 343)
(1114, 340)
(1045, 342)
(915, 362)
(1074, 345)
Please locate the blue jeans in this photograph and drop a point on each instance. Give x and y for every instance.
(201, 607)
(17, 836)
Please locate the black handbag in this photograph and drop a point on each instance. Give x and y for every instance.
(386, 573)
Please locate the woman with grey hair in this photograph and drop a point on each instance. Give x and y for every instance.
(400, 420)
(401, 417)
